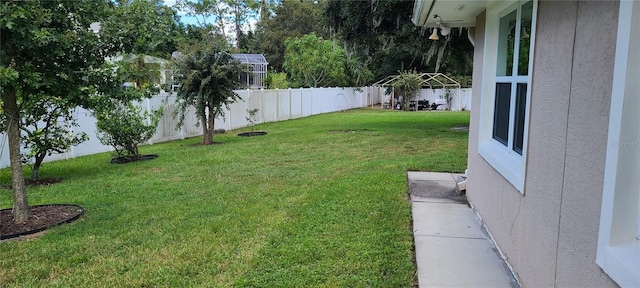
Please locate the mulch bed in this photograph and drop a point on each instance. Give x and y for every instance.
(40, 218)
(250, 134)
(129, 159)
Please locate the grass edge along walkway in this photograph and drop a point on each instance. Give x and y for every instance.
(320, 201)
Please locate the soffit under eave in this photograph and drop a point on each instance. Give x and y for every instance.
(452, 13)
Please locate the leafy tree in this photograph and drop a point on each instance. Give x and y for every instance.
(194, 34)
(150, 28)
(234, 13)
(293, 18)
(266, 7)
(241, 12)
(277, 80)
(457, 56)
(207, 75)
(312, 61)
(120, 123)
(409, 82)
(203, 10)
(357, 74)
(384, 40)
(252, 119)
(45, 48)
(124, 126)
(46, 127)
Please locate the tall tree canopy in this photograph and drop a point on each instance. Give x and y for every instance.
(224, 13)
(314, 62)
(145, 27)
(293, 18)
(380, 33)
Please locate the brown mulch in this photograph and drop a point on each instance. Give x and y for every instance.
(129, 159)
(40, 218)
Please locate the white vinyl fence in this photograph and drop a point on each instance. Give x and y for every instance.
(273, 105)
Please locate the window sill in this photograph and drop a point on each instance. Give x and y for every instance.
(621, 263)
(508, 163)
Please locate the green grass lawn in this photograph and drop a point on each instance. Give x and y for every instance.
(318, 202)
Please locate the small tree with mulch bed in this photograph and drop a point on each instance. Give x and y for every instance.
(207, 75)
(252, 119)
(120, 123)
(122, 126)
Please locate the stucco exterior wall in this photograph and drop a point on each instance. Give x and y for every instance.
(550, 233)
(587, 130)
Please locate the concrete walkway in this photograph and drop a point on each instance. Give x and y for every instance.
(452, 249)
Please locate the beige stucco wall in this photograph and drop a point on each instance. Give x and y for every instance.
(549, 234)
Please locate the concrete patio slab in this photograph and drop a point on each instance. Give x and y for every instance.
(418, 198)
(450, 219)
(430, 176)
(460, 262)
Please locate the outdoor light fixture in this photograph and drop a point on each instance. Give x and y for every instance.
(444, 30)
(434, 35)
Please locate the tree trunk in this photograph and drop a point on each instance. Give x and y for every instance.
(206, 140)
(36, 166)
(12, 114)
(238, 27)
(264, 11)
(206, 137)
(212, 120)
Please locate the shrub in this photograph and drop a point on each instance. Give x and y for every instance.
(252, 119)
(277, 81)
(409, 83)
(125, 126)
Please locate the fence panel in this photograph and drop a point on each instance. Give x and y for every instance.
(307, 102)
(296, 105)
(284, 104)
(269, 110)
(458, 102)
(87, 125)
(319, 103)
(274, 105)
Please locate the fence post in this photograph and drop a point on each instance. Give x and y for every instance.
(277, 104)
(149, 118)
(262, 105)
(459, 100)
(290, 104)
